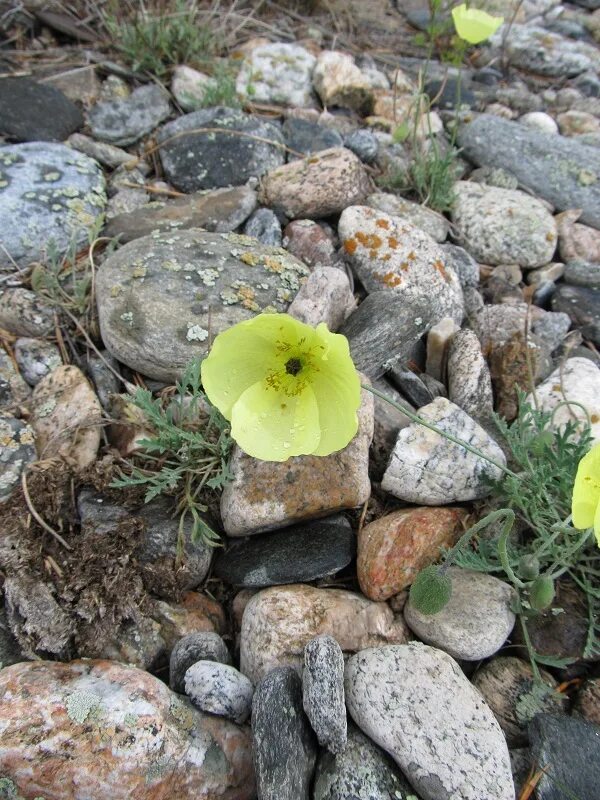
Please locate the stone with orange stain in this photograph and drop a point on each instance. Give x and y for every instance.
(436, 225)
(101, 729)
(393, 549)
(196, 612)
(387, 252)
(264, 495)
(280, 621)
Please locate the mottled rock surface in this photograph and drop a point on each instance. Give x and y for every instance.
(200, 646)
(277, 73)
(219, 689)
(325, 297)
(339, 82)
(124, 120)
(278, 623)
(101, 729)
(469, 381)
(434, 224)
(323, 692)
(415, 703)
(17, 449)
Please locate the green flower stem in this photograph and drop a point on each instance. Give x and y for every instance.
(489, 519)
(530, 651)
(502, 546)
(416, 418)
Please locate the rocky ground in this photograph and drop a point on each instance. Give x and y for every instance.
(137, 221)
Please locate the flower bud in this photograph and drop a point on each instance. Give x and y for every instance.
(541, 593)
(529, 568)
(430, 591)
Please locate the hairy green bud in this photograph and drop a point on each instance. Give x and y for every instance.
(431, 590)
(529, 568)
(541, 593)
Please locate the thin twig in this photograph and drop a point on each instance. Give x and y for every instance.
(37, 517)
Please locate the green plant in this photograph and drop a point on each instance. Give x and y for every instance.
(188, 454)
(537, 492)
(153, 42)
(221, 90)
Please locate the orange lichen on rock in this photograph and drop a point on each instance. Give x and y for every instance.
(390, 279)
(382, 223)
(439, 265)
(393, 242)
(370, 240)
(350, 246)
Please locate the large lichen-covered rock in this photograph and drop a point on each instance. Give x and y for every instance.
(217, 147)
(50, 196)
(162, 298)
(102, 729)
(316, 186)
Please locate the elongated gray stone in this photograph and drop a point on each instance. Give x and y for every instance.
(323, 692)
(558, 169)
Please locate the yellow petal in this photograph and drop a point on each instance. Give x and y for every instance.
(597, 524)
(474, 25)
(586, 490)
(336, 386)
(241, 356)
(273, 426)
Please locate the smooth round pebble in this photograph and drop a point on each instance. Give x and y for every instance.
(201, 646)
(219, 689)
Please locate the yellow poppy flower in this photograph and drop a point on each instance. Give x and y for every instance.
(474, 25)
(585, 507)
(288, 389)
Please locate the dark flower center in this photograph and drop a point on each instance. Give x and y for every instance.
(293, 366)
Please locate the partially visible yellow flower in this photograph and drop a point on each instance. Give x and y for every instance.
(586, 493)
(474, 25)
(288, 389)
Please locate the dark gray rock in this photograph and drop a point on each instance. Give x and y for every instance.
(158, 547)
(24, 313)
(582, 273)
(583, 307)
(105, 381)
(588, 84)
(36, 358)
(412, 386)
(17, 450)
(219, 689)
(592, 5)
(558, 169)
(201, 646)
(13, 389)
(384, 328)
(363, 144)
(220, 210)
(536, 49)
(361, 772)
(488, 76)
(264, 226)
(125, 120)
(50, 196)
(568, 750)
(294, 555)
(285, 749)
(36, 112)
(304, 136)
(550, 330)
(159, 296)
(323, 692)
(450, 93)
(218, 158)
(10, 652)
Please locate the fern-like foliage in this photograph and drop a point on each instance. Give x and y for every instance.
(187, 455)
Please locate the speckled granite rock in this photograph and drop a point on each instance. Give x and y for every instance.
(393, 255)
(48, 192)
(536, 49)
(279, 622)
(266, 494)
(393, 548)
(469, 381)
(13, 389)
(114, 731)
(219, 689)
(428, 469)
(277, 73)
(325, 297)
(415, 702)
(316, 186)
(476, 621)
(200, 646)
(323, 692)
(502, 226)
(187, 281)
(436, 225)
(285, 748)
(24, 313)
(17, 449)
(578, 380)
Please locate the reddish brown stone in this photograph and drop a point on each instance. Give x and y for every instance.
(308, 241)
(195, 613)
(393, 549)
(93, 729)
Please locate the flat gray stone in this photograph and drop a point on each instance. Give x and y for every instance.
(560, 170)
(415, 703)
(536, 49)
(219, 689)
(285, 749)
(220, 210)
(36, 358)
(217, 158)
(362, 771)
(50, 196)
(125, 120)
(159, 295)
(582, 273)
(426, 468)
(200, 646)
(476, 621)
(34, 112)
(24, 313)
(264, 226)
(323, 692)
(17, 450)
(582, 304)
